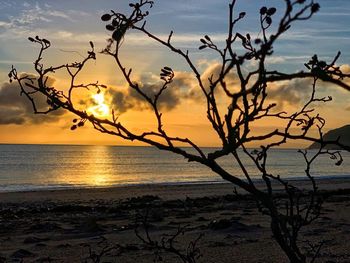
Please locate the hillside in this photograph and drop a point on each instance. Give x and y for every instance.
(342, 132)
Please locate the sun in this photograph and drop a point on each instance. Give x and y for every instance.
(100, 108)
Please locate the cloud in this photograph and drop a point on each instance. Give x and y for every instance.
(179, 90)
(33, 17)
(345, 68)
(43, 13)
(16, 109)
(184, 88)
(213, 70)
(275, 60)
(124, 100)
(297, 91)
(292, 92)
(11, 116)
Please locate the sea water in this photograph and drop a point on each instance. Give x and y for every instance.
(35, 167)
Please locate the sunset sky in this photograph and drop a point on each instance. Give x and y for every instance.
(71, 24)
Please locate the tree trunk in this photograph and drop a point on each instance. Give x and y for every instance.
(293, 255)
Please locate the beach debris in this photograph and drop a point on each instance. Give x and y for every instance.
(141, 201)
(220, 224)
(90, 225)
(33, 239)
(67, 208)
(44, 259)
(22, 253)
(2, 258)
(45, 227)
(131, 247)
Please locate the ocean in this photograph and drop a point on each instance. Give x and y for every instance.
(43, 167)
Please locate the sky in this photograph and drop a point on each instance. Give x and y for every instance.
(70, 25)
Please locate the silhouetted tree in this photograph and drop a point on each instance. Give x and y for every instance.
(233, 126)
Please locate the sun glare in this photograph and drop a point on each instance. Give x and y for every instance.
(100, 109)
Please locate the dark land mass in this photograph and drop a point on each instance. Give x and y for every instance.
(342, 134)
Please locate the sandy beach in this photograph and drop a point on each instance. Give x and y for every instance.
(86, 225)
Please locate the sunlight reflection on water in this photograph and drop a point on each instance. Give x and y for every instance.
(53, 166)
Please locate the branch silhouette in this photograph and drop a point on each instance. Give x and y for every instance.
(248, 104)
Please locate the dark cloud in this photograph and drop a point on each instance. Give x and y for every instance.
(180, 89)
(213, 71)
(10, 116)
(292, 92)
(297, 91)
(124, 101)
(183, 88)
(16, 109)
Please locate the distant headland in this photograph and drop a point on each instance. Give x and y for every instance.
(343, 133)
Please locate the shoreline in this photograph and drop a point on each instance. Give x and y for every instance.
(165, 191)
